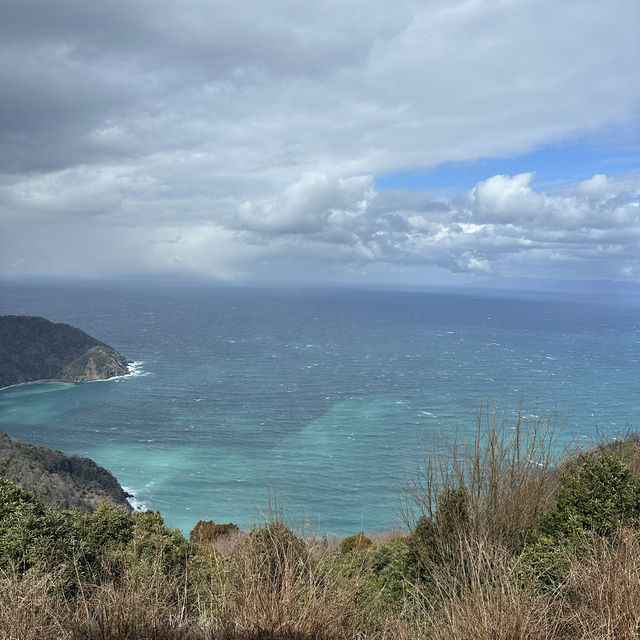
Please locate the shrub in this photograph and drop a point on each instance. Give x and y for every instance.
(209, 531)
(14, 498)
(494, 488)
(598, 495)
(392, 571)
(358, 542)
(32, 534)
(109, 526)
(435, 538)
(152, 540)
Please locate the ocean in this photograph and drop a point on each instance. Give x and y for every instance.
(315, 400)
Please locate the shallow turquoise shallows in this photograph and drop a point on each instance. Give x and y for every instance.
(318, 399)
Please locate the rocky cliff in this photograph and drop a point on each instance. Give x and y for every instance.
(33, 348)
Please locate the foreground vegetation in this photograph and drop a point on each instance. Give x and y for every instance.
(505, 542)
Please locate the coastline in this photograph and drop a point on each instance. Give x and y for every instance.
(136, 504)
(133, 369)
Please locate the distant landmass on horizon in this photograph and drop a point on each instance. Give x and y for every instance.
(550, 284)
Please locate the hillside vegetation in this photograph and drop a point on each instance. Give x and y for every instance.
(57, 479)
(33, 348)
(506, 543)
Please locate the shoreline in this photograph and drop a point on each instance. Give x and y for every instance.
(133, 369)
(136, 505)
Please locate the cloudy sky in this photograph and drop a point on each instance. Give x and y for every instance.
(378, 140)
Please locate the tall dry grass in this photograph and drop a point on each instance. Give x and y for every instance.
(477, 499)
(485, 599)
(492, 487)
(32, 608)
(133, 600)
(276, 586)
(603, 591)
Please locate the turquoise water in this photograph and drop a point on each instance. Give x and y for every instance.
(321, 397)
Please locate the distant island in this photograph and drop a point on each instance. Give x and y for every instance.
(57, 479)
(34, 349)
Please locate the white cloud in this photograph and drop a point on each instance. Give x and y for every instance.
(306, 205)
(252, 132)
(504, 198)
(327, 226)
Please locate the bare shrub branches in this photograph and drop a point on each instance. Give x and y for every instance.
(494, 486)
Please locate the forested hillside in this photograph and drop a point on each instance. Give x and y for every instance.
(57, 479)
(33, 348)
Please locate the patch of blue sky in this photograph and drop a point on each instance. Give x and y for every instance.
(553, 166)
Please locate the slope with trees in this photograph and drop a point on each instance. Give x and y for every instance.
(33, 348)
(57, 479)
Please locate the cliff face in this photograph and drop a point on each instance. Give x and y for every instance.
(98, 363)
(33, 348)
(57, 479)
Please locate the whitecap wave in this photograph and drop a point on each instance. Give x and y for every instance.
(136, 504)
(135, 369)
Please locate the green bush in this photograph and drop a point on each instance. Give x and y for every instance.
(32, 534)
(153, 541)
(14, 498)
(435, 539)
(392, 570)
(109, 526)
(598, 495)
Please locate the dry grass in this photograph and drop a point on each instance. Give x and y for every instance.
(142, 603)
(484, 599)
(600, 600)
(502, 475)
(604, 588)
(30, 609)
(275, 588)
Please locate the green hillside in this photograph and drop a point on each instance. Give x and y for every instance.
(33, 348)
(57, 479)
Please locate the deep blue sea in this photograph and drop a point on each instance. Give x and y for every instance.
(320, 398)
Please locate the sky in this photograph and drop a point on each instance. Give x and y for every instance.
(426, 142)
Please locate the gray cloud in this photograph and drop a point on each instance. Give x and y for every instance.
(252, 131)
